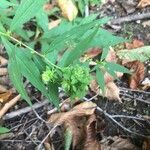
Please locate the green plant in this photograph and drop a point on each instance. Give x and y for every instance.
(142, 54)
(83, 3)
(44, 69)
(3, 130)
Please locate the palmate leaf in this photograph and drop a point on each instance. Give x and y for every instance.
(78, 50)
(14, 71)
(30, 71)
(142, 54)
(3, 130)
(26, 10)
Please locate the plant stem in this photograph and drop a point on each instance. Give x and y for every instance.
(29, 48)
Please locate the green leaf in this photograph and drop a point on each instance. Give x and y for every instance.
(14, 71)
(39, 63)
(4, 130)
(42, 19)
(2, 27)
(100, 79)
(142, 54)
(73, 34)
(78, 50)
(105, 39)
(81, 6)
(54, 93)
(68, 138)
(5, 4)
(116, 67)
(29, 70)
(26, 10)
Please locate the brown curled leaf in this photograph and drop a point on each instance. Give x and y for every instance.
(138, 70)
(135, 44)
(143, 3)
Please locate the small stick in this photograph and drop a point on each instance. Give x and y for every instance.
(9, 105)
(120, 125)
(130, 18)
(140, 91)
(128, 117)
(50, 132)
(24, 110)
(135, 98)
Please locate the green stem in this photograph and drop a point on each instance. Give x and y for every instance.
(29, 48)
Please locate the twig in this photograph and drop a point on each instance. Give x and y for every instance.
(50, 132)
(9, 105)
(128, 117)
(140, 91)
(18, 141)
(39, 117)
(24, 110)
(135, 98)
(130, 18)
(86, 99)
(117, 123)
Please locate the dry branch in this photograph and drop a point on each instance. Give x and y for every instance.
(8, 105)
(117, 123)
(24, 110)
(130, 18)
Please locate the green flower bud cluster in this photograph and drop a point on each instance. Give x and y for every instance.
(76, 80)
(49, 75)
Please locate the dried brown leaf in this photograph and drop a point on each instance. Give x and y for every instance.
(3, 89)
(112, 92)
(111, 57)
(48, 7)
(75, 120)
(93, 52)
(91, 140)
(54, 24)
(3, 61)
(118, 144)
(3, 71)
(68, 9)
(135, 44)
(4, 97)
(138, 73)
(146, 144)
(143, 3)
